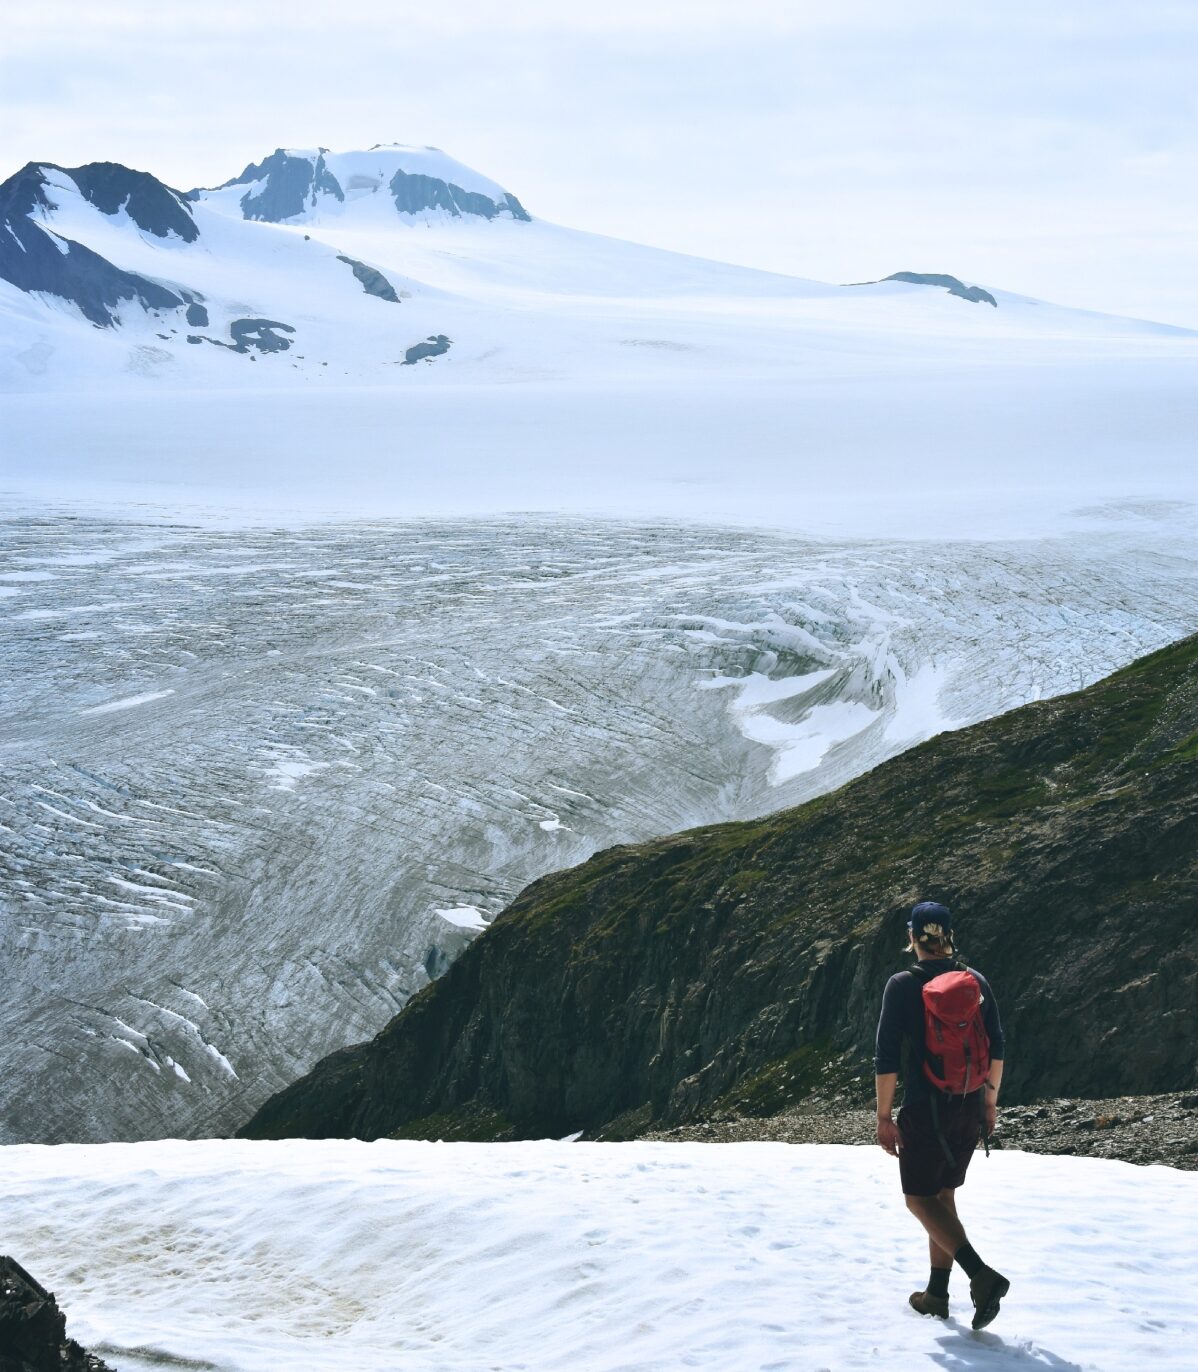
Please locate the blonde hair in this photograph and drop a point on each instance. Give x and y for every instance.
(934, 939)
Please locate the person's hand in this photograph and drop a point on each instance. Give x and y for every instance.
(888, 1135)
(991, 1114)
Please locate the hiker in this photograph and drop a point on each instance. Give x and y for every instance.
(940, 1025)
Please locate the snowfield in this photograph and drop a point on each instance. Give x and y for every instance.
(349, 1257)
(582, 375)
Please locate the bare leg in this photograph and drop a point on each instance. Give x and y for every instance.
(940, 1220)
(940, 1257)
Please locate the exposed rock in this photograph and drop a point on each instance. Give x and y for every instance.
(286, 184)
(292, 184)
(250, 334)
(1139, 1129)
(197, 316)
(950, 283)
(260, 334)
(33, 1330)
(739, 967)
(35, 258)
(415, 193)
(373, 281)
(152, 206)
(433, 346)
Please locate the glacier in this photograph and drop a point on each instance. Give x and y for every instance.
(249, 771)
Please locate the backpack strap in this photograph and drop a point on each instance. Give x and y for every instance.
(923, 974)
(934, 1100)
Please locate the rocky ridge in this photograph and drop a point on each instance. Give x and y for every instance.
(33, 1335)
(738, 967)
(1136, 1129)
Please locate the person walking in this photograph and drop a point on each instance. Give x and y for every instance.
(940, 1027)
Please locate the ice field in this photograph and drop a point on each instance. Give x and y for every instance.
(583, 375)
(257, 782)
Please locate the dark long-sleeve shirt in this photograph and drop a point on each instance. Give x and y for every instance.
(901, 1027)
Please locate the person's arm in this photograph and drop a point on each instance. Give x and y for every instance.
(998, 1046)
(887, 1053)
(887, 1130)
(993, 1082)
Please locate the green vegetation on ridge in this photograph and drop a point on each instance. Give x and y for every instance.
(740, 965)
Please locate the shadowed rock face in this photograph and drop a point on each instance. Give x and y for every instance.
(740, 964)
(975, 294)
(415, 193)
(260, 334)
(247, 335)
(433, 346)
(373, 281)
(33, 258)
(152, 206)
(33, 1334)
(292, 185)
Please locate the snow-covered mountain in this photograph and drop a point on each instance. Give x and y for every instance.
(405, 315)
(307, 186)
(111, 245)
(298, 254)
(391, 304)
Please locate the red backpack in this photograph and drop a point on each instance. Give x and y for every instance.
(956, 1046)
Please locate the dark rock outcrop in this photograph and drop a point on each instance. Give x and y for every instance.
(153, 207)
(1139, 1129)
(33, 1334)
(740, 966)
(261, 334)
(415, 193)
(373, 281)
(35, 258)
(250, 335)
(433, 346)
(292, 186)
(294, 182)
(975, 294)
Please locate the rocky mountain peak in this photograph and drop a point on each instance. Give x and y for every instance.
(38, 255)
(293, 184)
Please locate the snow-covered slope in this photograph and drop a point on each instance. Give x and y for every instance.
(455, 356)
(556, 1257)
(312, 185)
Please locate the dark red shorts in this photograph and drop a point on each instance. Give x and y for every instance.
(923, 1167)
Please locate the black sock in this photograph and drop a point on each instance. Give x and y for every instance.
(969, 1260)
(938, 1281)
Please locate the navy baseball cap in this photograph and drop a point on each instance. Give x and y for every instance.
(930, 912)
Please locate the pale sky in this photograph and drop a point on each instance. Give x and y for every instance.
(1047, 147)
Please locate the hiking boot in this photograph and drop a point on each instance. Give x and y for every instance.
(987, 1289)
(927, 1304)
